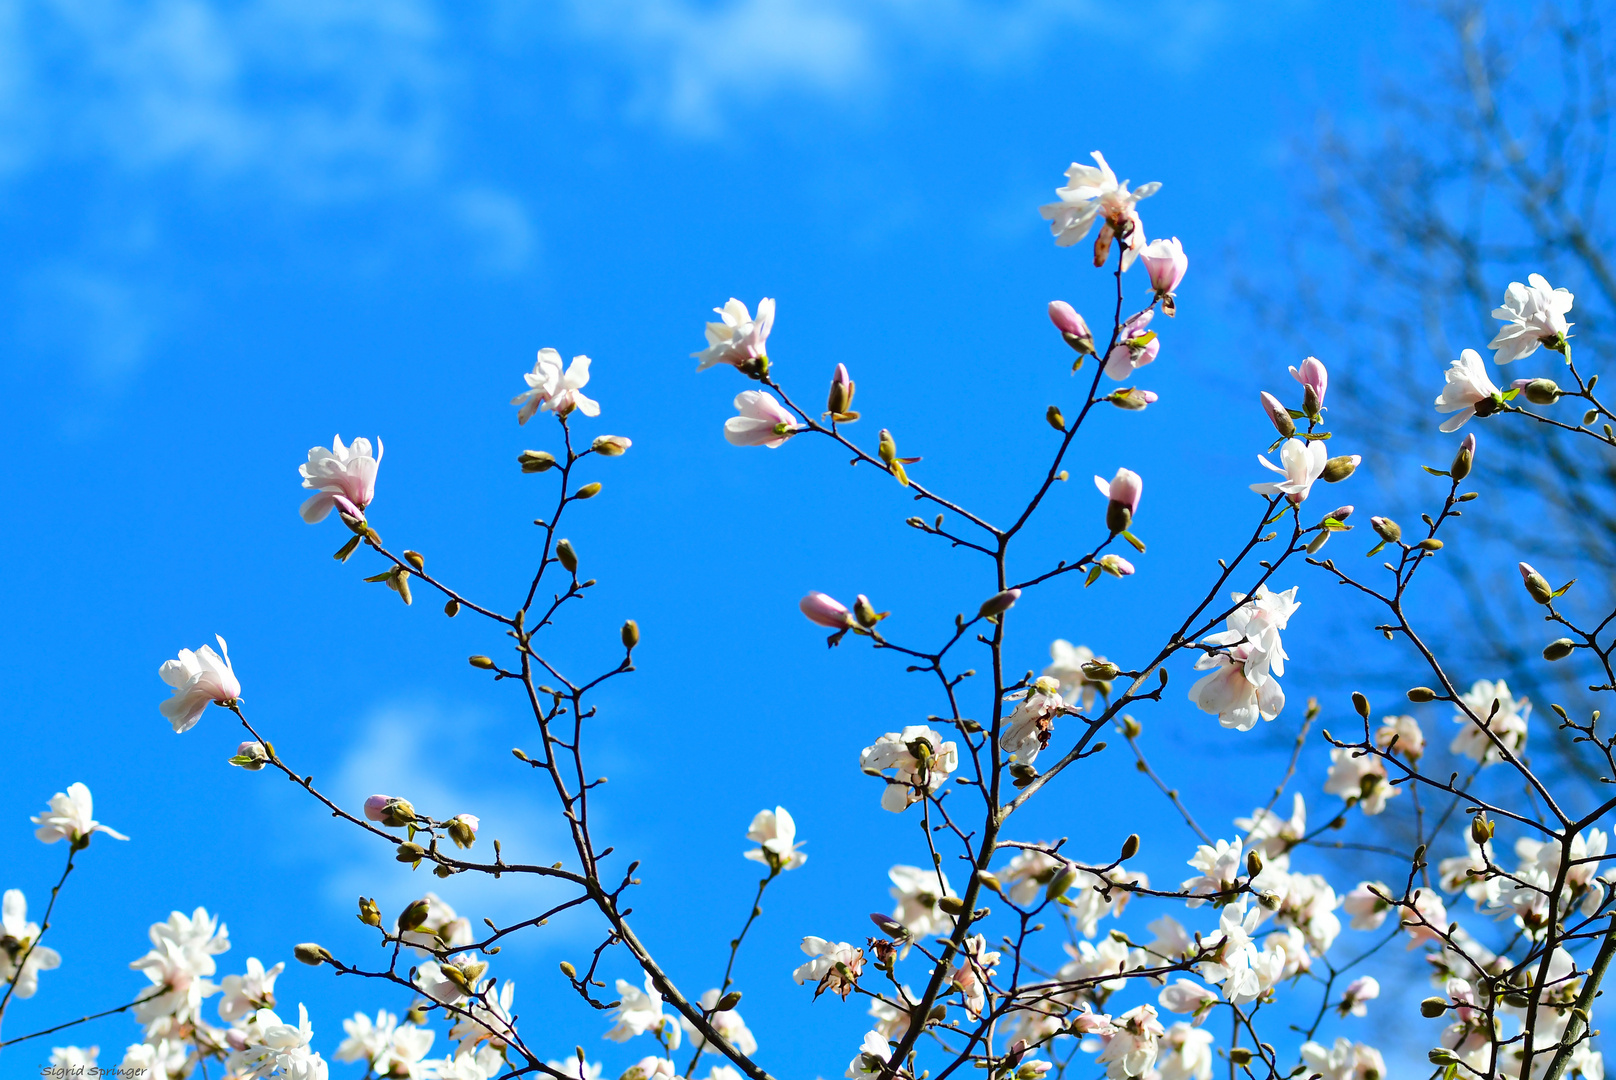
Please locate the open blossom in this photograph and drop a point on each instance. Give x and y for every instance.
(1313, 376)
(550, 387)
(1132, 351)
(651, 1068)
(487, 1063)
(834, 965)
(17, 942)
(76, 1060)
(1508, 723)
(197, 679)
(921, 760)
(1184, 996)
(1406, 730)
(825, 610)
(1359, 992)
(775, 833)
(1093, 193)
(1185, 1054)
(1273, 835)
(1244, 972)
(441, 930)
(1366, 905)
(1066, 667)
(572, 1067)
(1358, 775)
(489, 1018)
(1130, 1048)
(1165, 262)
(727, 1023)
(1301, 462)
(1345, 1060)
(1469, 391)
(872, 1056)
(69, 818)
(917, 892)
(763, 421)
(282, 1049)
(1429, 919)
(1219, 864)
(181, 961)
(737, 338)
(639, 1011)
(246, 994)
(342, 477)
(1533, 314)
(1033, 721)
(1242, 686)
(165, 1057)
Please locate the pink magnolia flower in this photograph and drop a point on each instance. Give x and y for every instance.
(1301, 463)
(1092, 193)
(1067, 320)
(737, 338)
(1116, 565)
(1469, 391)
(1125, 488)
(198, 678)
(1278, 415)
(1429, 919)
(549, 387)
(825, 610)
(1165, 262)
(1125, 358)
(761, 421)
(1313, 375)
(343, 476)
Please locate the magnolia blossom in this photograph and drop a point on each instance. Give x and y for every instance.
(1130, 1048)
(1346, 1060)
(198, 678)
(1165, 262)
(1313, 376)
(651, 1068)
(21, 960)
(640, 1011)
(917, 892)
(282, 1049)
(1429, 919)
(1406, 730)
(489, 1018)
(1367, 905)
(1092, 192)
(576, 1069)
(343, 477)
(834, 965)
(549, 387)
(1068, 321)
(1219, 864)
(763, 421)
(737, 338)
(1242, 686)
(1533, 315)
(726, 1022)
(921, 759)
(1244, 972)
(1360, 777)
(775, 833)
(1186, 1053)
(367, 1040)
(970, 975)
(1185, 996)
(181, 961)
(246, 994)
(825, 610)
(69, 818)
(1301, 463)
(1508, 723)
(1028, 730)
(1132, 351)
(431, 981)
(1066, 667)
(1123, 491)
(165, 1057)
(873, 1054)
(75, 1060)
(1467, 390)
(1359, 993)
(487, 1063)
(892, 1018)
(1273, 835)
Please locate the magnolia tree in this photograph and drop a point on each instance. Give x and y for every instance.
(1003, 952)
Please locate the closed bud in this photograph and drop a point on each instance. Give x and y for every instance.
(1558, 649)
(1339, 468)
(728, 1002)
(1130, 847)
(1421, 694)
(1130, 727)
(1060, 883)
(463, 830)
(1239, 1055)
(1541, 391)
(1442, 1057)
(409, 852)
(1481, 830)
(1433, 1007)
(452, 608)
(1430, 543)
(251, 756)
(1100, 670)
(1536, 584)
(991, 881)
(1342, 513)
(1074, 331)
(414, 915)
(536, 461)
(1387, 529)
(1278, 415)
(588, 491)
(369, 913)
(1056, 420)
(568, 557)
(888, 926)
(1253, 863)
(864, 611)
(1132, 398)
(951, 905)
(415, 559)
(999, 603)
(631, 634)
(311, 954)
(569, 971)
(611, 445)
(484, 662)
(1361, 704)
(840, 399)
(1464, 458)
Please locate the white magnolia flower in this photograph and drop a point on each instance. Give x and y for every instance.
(431, 981)
(1032, 722)
(651, 1068)
(70, 818)
(1406, 730)
(1359, 993)
(1273, 835)
(1186, 1053)
(1300, 463)
(1100, 964)
(873, 1053)
(970, 975)
(1170, 938)
(1345, 1060)
(1066, 667)
(1092, 193)
(198, 678)
(737, 338)
(917, 892)
(21, 960)
(166, 1057)
(1256, 624)
(281, 1050)
(403, 1057)
(1533, 314)
(246, 994)
(1508, 723)
(441, 931)
(1429, 919)
(489, 1018)
(488, 1063)
(763, 421)
(639, 1011)
(549, 387)
(1184, 996)
(1130, 1048)
(1468, 386)
(343, 477)
(892, 1018)
(1231, 694)
(367, 1040)
(1219, 864)
(775, 833)
(74, 1059)
(1366, 905)
(921, 760)
(1024, 879)
(833, 965)
(1360, 777)
(576, 1069)
(1244, 972)
(181, 961)
(727, 1023)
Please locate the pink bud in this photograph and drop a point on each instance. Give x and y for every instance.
(1312, 373)
(1526, 571)
(1125, 488)
(1067, 320)
(824, 610)
(1116, 564)
(842, 378)
(1278, 415)
(376, 805)
(1165, 262)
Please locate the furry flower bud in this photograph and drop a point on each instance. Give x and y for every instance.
(1464, 458)
(463, 829)
(999, 603)
(1339, 468)
(1539, 391)
(630, 634)
(611, 445)
(533, 461)
(251, 756)
(1387, 529)
(1278, 415)
(567, 555)
(1536, 584)
(840, 400)
(311, 954)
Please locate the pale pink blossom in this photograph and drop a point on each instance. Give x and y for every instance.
(763, 420)
(1124, 489)
(1067, 320)
(1406, 730)
(549, 387)
(737, 338)
(343, 476)
(1301, 463)
(1092, 193)
(1165, 262)
(198, 678)
(1359, 992)
(1533, 314)
(825, 610)
(1429, 919)
(1367, 905)
(1313, 375)
(71, 818)
(1278, 414)
(1469, 391)
(1132, 351)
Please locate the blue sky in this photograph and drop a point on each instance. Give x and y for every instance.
(232, 230)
